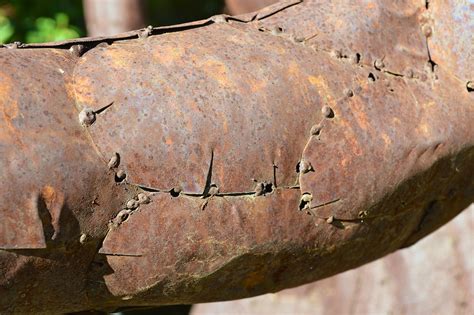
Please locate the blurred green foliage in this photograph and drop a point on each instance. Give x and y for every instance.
(52, 20)
(40, 20)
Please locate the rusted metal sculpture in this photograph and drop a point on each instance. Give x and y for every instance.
(229, 157)
(432, 277)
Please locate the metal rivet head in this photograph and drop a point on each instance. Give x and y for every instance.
(470, 86)
(427, 30)
(132, 204)
(14, 45)
(305, 167)
(144, 33)
(77, 50)
(316, 130)
(276, 30)
(298, 39)
(174, 192)
(259, 189)
(213, 190)
(87, 117)
(143, 198)
(83, 238)
(120, 217)
(327, 112)
(114, 161)
(379, 64)
(305, 201)
(221, 18)
(120, 176)
(102, 45)
(348, 93)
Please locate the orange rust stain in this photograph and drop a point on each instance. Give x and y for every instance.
(344, 162)
(371, 5)
(9, 110)
(386, 139)
(49, 195)
(83, 90)
(424, 129)
(218, 71)
(355, 146)
(252, 280)
(257, 85)
(169, 141)
(194, 106)
(8, 106)
(322, 89)
(294, 69)
(360, 115)
(429, 104)
(225, 125)
(120, 58)
(169, 55)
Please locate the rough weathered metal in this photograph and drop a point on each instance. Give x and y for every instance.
(435, 276)
(179, 164)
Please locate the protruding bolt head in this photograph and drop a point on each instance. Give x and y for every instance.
(305, 201)
(305, 167)
(213, 190)
(114, 161)
(144, 33)
(276, 30)
(132, 204)
(327, 112)
(143, 198)
(259, 189)
(470, 86)
(348, 93)
(379, 64)
(120, 217)
(83, 238)
(298, 39)
(15, 45)
(120, 175)
(427, 30)
(87, 117)
(77, 50)
(316, 130)
(221, 18)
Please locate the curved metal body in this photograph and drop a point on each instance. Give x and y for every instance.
(228, 157)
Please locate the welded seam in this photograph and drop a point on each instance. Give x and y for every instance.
(92, 42)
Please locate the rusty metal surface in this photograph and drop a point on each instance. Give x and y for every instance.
(450, 26)
(435, 276)
(225, 158)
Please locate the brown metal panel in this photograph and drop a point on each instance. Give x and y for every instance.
(180, 164)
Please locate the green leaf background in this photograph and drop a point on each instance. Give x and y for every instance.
(34, 21)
